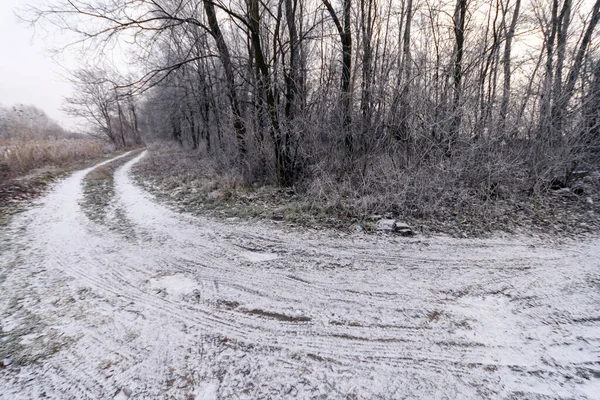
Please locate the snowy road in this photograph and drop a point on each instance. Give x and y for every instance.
(153, 304)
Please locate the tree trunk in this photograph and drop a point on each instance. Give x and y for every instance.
(366, 12)
(405, 129)
(546, 96)
(292, 78)
(346, 39)
(506, 65)
(577, 63)
(238, 122)
(283, 167)
(459, 34)
(556, 114)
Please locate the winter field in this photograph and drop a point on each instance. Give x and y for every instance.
(146, 303)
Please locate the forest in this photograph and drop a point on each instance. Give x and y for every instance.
(407, 102)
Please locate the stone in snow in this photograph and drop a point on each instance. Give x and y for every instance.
(391, 225)
(404, 229)
(402, 225)
(386, 225)
(358, 227)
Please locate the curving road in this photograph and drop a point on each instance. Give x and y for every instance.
(148, 303)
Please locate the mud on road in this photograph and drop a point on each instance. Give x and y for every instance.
(143, 302)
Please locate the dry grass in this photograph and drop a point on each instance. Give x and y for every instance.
(177, 167)
(473, 193)
(18, 157)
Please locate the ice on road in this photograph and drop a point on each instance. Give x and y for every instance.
(149, 303)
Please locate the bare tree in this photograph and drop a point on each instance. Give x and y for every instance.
(345, 33)
(267, 87)
(97, 100)
(506, 62)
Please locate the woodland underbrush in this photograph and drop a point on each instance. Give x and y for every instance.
(480, 188)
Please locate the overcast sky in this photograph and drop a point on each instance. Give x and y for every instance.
(27, 72)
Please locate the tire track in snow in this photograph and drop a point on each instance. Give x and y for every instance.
(445, 315)
(507, 262)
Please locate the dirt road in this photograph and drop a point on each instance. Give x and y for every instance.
(147, 303)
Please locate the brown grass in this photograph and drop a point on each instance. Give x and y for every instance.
(18, 157)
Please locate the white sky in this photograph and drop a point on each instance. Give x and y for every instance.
(28, 74)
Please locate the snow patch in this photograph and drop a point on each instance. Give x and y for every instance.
(121, 396)
(257, 257)
(175, 285)
(207, 391)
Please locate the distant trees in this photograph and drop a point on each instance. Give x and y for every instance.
(110, 111)
(283, 89)
(28, 122)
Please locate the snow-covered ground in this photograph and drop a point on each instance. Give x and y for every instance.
(154, 304)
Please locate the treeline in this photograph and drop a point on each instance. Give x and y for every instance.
(29, 122)
(285, 90)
